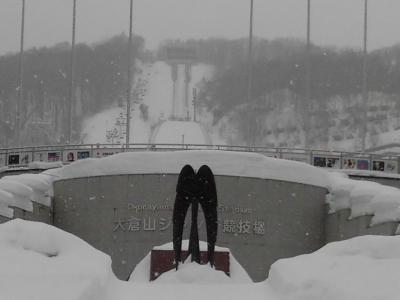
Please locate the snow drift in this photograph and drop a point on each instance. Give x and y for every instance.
(365, 267)
(40, 262)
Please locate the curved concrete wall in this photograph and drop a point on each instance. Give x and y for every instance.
(340, 227)
(389, 181)
(126, 215)
(40, 213)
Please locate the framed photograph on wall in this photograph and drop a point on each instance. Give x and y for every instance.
(320, 161)
(378, 165)
(13, 159)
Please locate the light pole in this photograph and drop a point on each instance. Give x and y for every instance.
(21, 77)
(250, 76)
(365, 78)
(308, 76)
(129, 90)
(72, 77)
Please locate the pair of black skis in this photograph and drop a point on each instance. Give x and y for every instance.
(194, 189)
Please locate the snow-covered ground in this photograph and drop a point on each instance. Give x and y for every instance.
(41, 262)
(154, 86)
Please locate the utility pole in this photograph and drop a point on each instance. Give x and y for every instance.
(72, 77)
(307, 103)
(18, 123)
(364, 79)
(129, 90)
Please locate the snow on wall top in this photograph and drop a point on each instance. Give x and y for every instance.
(221, 162)
(21, 190)
(363, 198)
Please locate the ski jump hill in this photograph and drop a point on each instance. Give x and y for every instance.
(166, 120)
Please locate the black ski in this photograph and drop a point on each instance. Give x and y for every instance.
(193, 189)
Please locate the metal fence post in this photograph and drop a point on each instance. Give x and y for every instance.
(33, 154)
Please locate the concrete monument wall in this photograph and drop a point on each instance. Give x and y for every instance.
(340, 227)
(126, 215)
(40, 213)
(389, 181)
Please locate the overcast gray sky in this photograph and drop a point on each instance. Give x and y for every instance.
(335, 22)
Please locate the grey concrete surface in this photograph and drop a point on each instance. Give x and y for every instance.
(17, 171)
(340, 227)
(40, 213)
(126, 215)
(394, 182)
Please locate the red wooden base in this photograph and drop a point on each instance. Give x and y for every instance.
(162, 261)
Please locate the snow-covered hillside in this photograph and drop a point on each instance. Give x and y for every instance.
(152, 105)
(277, 121)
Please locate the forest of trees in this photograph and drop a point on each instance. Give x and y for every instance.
(100, 80)
(280, 64)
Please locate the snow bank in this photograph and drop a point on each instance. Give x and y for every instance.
(362, 268)
(363, 198)
(20, 190)
(191, 272)
(40, 262)
(221, 162)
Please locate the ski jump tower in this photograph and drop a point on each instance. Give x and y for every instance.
(181, 60)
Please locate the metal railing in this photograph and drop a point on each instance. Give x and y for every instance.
(23, 156)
